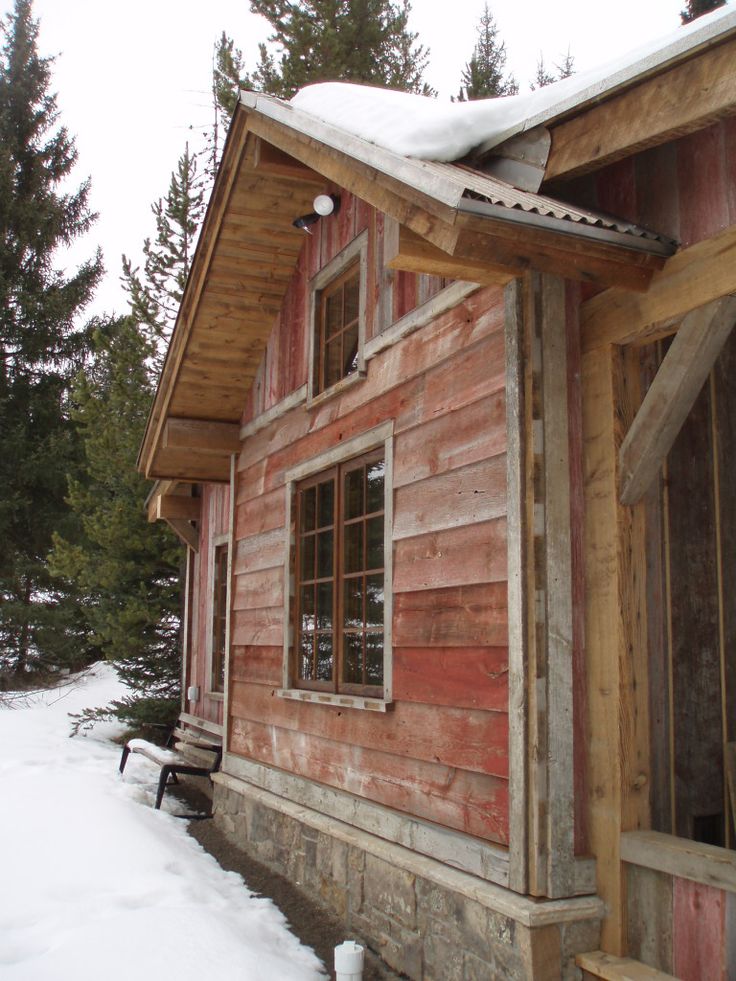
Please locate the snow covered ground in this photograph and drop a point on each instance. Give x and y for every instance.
(96, 884)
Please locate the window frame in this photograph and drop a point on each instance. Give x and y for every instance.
(331, 275)
(376, 441)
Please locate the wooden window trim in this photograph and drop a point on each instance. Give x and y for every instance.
(353, 256)
(341, 528)
(380, 440)
(220, 545)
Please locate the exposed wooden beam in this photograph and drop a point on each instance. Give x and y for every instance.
(525, 246)
(202, 436)
(178, 508)
(405, 250)
(688, 280)
(193, 468)
(672, 394)
(679, 101)
(185, 532)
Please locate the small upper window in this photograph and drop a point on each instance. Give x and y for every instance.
(337, 330)
(337, 319)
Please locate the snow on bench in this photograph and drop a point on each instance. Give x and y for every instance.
(172, 762)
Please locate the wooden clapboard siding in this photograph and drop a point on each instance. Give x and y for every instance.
(463, 738)
(458, 799)
(440, 752)
(459, 498)
(467, 435)
(458, 616)
(466, 677)
(452, 557)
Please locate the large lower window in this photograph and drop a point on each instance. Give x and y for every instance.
(339, 608)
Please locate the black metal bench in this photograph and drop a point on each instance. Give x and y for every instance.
(174, 763)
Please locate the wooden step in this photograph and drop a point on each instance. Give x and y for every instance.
(597, 964)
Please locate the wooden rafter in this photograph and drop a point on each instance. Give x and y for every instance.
(405, 250)
(673, 103)
(672, 394)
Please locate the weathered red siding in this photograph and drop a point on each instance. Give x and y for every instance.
(441, 751)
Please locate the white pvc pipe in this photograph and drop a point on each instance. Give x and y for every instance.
(349, 961)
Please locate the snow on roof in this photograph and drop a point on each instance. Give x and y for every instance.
(430, 129)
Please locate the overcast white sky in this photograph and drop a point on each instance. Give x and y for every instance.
(133, 77)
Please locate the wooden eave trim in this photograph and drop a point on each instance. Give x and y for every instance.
(677, 101)
(226, 176)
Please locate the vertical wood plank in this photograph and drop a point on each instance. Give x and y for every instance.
(699, 931)
(649, 900)
(519, 492)
(558, 558)
(614, 623)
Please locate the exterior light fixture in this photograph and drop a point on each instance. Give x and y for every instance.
(324, 205)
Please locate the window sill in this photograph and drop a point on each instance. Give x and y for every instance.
(337, 701)
(314, 401)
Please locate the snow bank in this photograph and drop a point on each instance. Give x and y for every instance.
(433, 129)
(98, 884)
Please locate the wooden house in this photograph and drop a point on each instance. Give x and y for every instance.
(455, 472)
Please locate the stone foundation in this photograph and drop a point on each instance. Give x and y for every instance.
(425, 920)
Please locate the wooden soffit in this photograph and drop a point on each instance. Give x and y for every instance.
(244, 262)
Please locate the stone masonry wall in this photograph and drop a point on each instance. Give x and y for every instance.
(421, 929)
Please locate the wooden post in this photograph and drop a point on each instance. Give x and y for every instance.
(615, 631)
(540, 588)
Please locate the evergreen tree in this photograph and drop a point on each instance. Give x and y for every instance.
(41, 348)
(155, 292)
(544, 77)
(483, 76)
(696, 8)
(346, 40)
(127, 569)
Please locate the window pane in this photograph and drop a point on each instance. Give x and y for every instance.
(354, 493)
(326, 506)
(374, 528)
(350, 350)
(324, 657)
(333, 357)
(307, 557)
(333, 313)
(324, 606)
(353, 659)
(306, 518)
(375, 485)
(374, 658)
(305, 657)
(353, 602)
(307, 607)
(374, 601)
(353, 543)
(352, 299)
(324, 554)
